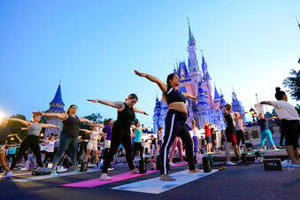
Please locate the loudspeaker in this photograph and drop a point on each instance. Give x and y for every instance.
(142, 167)
(272, 164)
(244, 159)
(84, 166)
(206, 164)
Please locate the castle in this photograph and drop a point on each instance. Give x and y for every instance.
(56, 106)
(196, 81)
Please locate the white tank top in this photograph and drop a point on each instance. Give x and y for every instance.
(94, 136)
(50, 146)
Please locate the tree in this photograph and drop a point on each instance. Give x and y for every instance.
(293, 84)
(15, 127)
(95, 117)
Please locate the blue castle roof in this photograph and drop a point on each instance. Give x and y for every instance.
(58, 97)
(217, 96)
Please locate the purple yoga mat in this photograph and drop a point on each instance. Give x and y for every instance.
(97, 182)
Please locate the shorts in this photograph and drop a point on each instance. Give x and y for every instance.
(159, 142)
(290, 128)
(240, 137)
(231, 137)
(107, 144)
(92, 146)
(208, 139)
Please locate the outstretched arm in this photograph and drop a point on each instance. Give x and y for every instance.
(118, 104)
(85, 120)
(49, 126)
(192, 97)
(26, 123)
(271, 103)
(160, 84)
(85, 131)
(61, 116)
(139, 111)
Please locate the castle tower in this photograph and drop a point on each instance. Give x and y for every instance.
(156, 115)
(237, 105)
(195, 73)
(217, 100)
(202, 106)
(56, 106)
(206, 82)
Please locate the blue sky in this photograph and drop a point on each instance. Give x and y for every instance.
(94, 46)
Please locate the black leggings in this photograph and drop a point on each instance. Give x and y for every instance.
(119, 136)
(32, 142)
(175, 126)
(137, 146)
(49, 155)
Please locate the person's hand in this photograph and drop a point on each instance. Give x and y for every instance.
(140, 73)
(93, 100)
(193, 98)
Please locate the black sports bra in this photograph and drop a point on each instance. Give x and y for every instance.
(173, 95)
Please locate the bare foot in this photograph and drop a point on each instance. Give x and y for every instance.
(104, 177)
(166, 177)
(134, 171)
(195, 170)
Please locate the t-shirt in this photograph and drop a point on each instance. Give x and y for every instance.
(285, 110)
(50, 146)
(160, 136)
(4, 131)
(238, 124)
(207, 131)
(108, 130)
(138, 135)
(12, 150)
(263, 124)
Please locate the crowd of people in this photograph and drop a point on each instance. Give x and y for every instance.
(102, 142)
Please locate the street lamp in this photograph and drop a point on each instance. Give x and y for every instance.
(253, 114)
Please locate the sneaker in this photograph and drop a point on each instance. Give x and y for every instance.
(8, 174)
(111, 169)
(23, 169)
(229, 163)
(76, 170)
(104, 177)
(54, 173)
(171, 163)
(61, 169)
(166, 177)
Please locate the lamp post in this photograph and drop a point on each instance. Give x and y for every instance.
(253, 114)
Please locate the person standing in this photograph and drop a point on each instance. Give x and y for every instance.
(175, 121)
(68, 136)
(230, 136)
(121, 131)
(289, 123)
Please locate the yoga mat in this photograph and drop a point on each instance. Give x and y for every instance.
(97, 182)
(179, 164)
(156, 186)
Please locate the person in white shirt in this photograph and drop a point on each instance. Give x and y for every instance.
(93, 142)
(49, 149)
(289, 119)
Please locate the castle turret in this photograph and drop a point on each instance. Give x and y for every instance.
(156, 115)
(206, 82)
(202, 106)
(237, 105)
(56, 106)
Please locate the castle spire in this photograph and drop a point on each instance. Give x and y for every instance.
(58, 97)
(217, 96)
(192, 41)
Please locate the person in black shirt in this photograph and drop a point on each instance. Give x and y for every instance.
(68, 136)
(121, 131)
(230, 135)
(175, 121)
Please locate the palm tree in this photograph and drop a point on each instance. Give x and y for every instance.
(293, 84)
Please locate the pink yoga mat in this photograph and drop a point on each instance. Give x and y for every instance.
(97, 182)
(179, 164)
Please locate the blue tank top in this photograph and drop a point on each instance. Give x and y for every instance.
(173, 95)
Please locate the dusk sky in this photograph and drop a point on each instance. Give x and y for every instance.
(94, 46)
